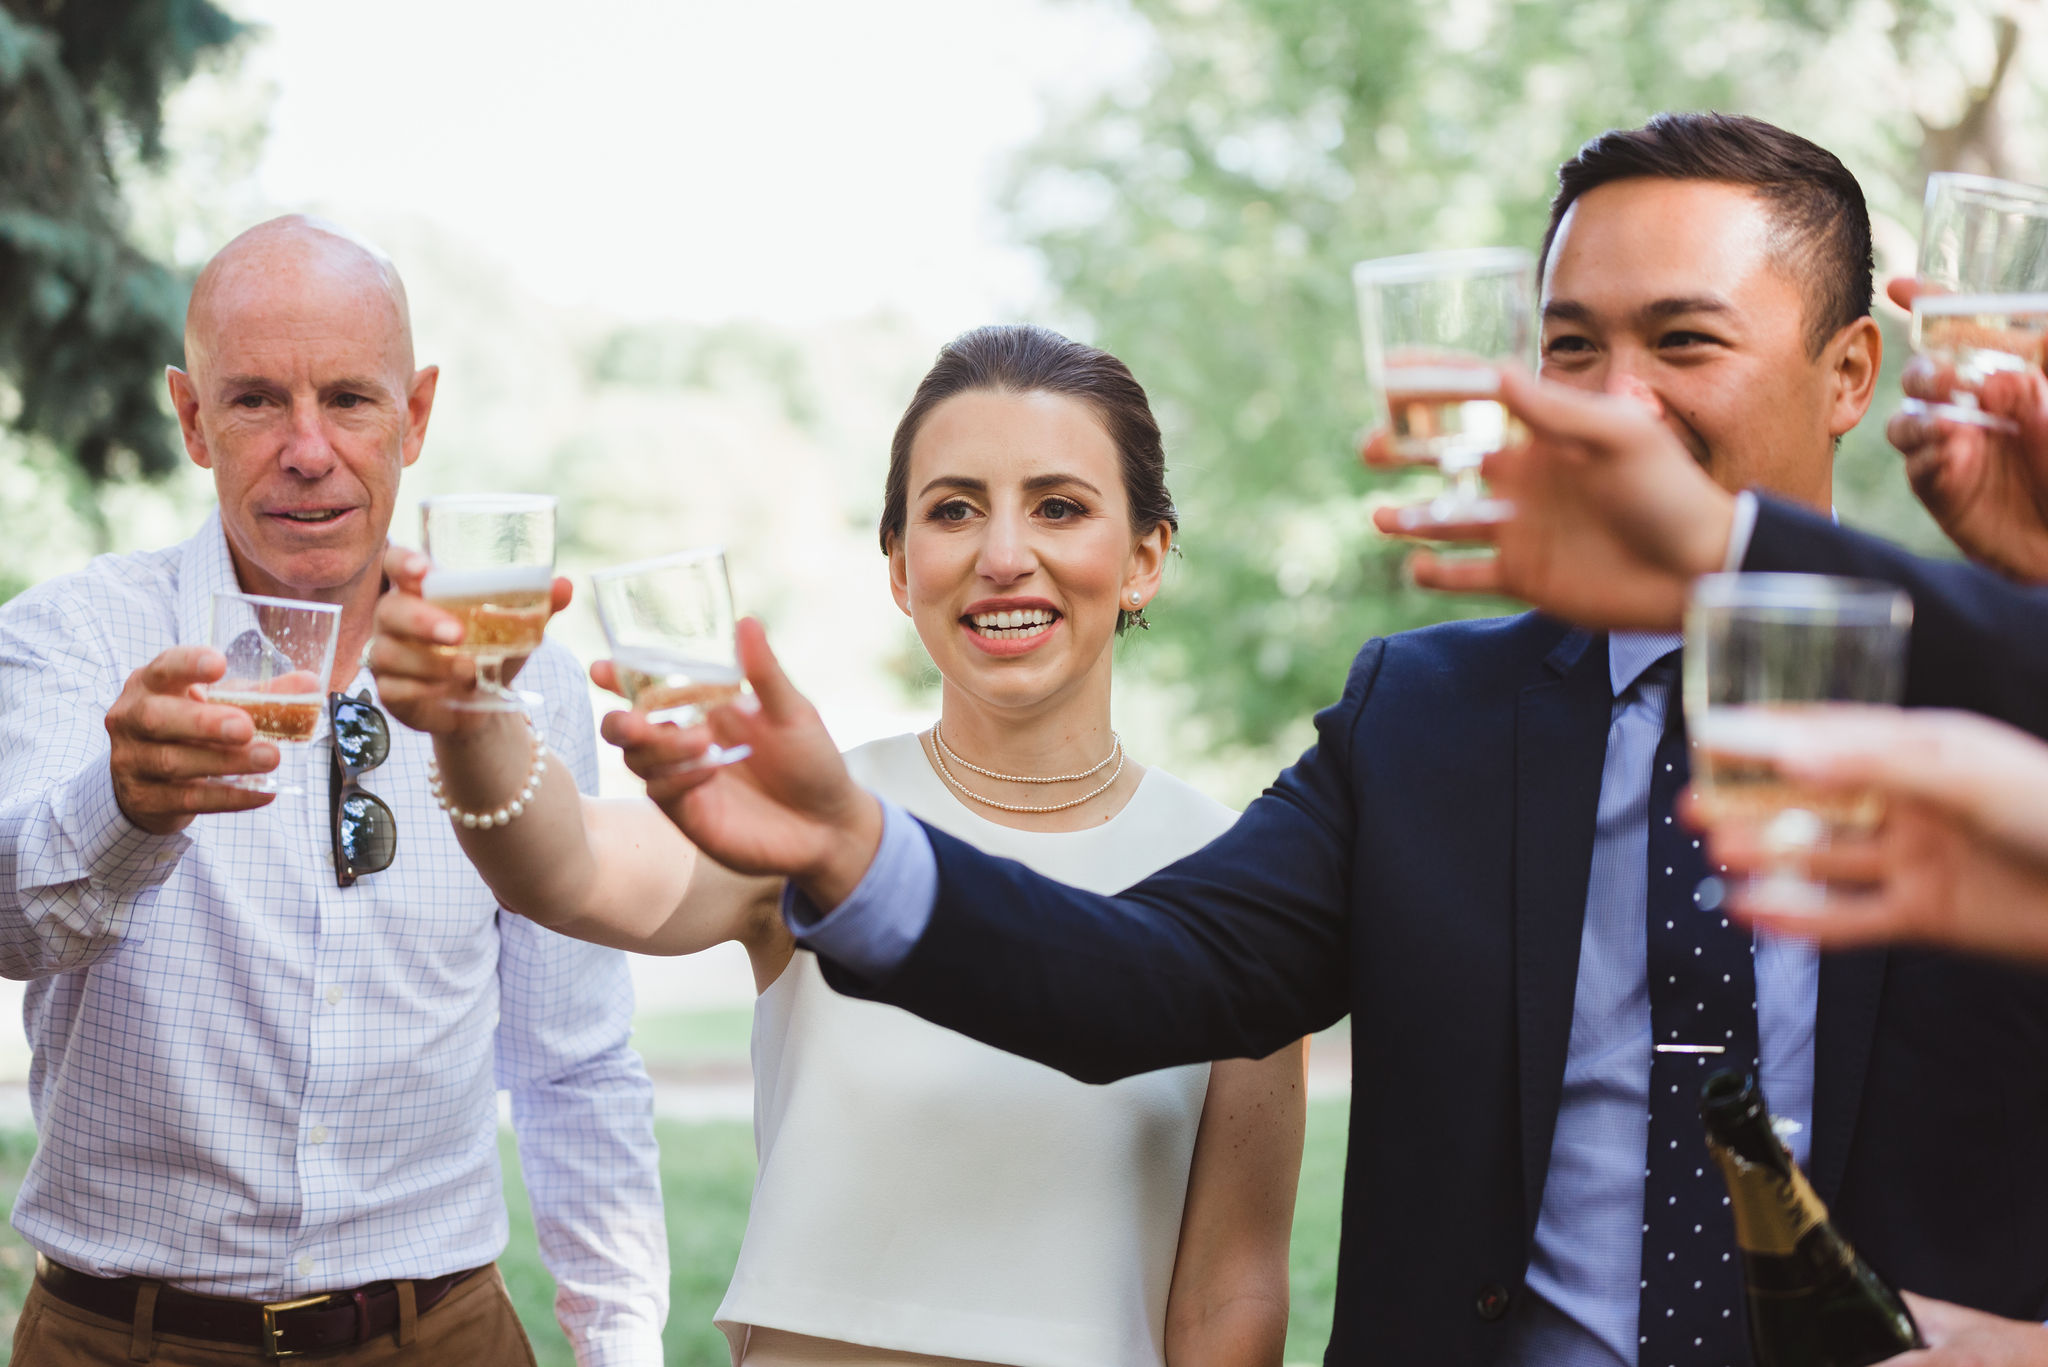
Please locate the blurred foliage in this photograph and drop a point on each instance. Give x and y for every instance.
(1202, 225)
(730, 358)
(88, 320)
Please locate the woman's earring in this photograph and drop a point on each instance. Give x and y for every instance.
(1136, 616)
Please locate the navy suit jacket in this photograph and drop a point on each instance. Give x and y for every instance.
(1423, 868)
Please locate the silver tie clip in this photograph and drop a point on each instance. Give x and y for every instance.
(1691, 1049)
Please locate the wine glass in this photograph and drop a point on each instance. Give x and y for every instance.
(494, 568)
(1435, 325)
(670, 623)
(1760, 649)
(280, 654)
(1983, 271)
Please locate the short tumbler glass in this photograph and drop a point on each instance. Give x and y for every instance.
(1760, 650)
(280, 654)
(670, 622)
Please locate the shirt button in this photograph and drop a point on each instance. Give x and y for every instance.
(306, 1264)
(1492, 1301)
(334, 995)
(318, 1135)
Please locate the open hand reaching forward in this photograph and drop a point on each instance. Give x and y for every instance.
(791, 808)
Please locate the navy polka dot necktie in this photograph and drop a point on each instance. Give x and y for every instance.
(1702, 980)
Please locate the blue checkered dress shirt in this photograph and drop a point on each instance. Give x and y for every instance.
(251, 1082)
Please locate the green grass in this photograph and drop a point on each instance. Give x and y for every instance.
(17, 1259)
(707, 1174)
(1318, 1214)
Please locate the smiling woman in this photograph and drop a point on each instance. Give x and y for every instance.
(1025, 518)
(922, 1198)
(1024, 361)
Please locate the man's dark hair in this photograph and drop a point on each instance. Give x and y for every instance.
(1823, 225)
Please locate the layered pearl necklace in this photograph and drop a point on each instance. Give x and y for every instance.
(940, 752)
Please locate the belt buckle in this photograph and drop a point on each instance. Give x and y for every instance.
(271, 1310)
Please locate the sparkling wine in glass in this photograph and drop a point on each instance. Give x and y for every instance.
(280, 654)
(1983, 248)
(1972, 337)
(1761, 650)
(670, 623)
(494, 568)
(1435, 325)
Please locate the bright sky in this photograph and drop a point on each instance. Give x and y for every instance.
(794, 161)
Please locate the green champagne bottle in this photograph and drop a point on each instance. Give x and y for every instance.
(1812, 1301)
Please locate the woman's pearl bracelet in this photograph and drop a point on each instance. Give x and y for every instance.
(484, 821)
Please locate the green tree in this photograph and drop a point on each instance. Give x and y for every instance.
(1202, 225)
(86, 318)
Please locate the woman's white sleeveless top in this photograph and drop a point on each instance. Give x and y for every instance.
(922, 1192)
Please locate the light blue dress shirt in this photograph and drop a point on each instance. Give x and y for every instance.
(1585, 1277)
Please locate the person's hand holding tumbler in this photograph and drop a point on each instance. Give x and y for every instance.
(1960, 858)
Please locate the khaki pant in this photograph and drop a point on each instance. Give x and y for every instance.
(473, 1324)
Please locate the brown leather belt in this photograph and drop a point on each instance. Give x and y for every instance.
(281, 1329)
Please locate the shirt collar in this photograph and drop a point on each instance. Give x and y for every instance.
(204, 569)
(1629, 653)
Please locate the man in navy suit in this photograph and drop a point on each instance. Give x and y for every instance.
(1478, 861)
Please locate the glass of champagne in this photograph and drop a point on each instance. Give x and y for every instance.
(1435, 324)
(280, 654)
(494, 567)
(1760, 650)
(1983, 273)
(670, 622)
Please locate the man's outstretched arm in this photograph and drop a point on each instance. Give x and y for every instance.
(1613, 521)
(1980, 642)
(94, 800)
(1232, 952)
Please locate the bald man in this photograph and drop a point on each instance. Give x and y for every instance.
(264, 1054)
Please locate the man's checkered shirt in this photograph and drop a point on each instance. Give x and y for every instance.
(251, 1082)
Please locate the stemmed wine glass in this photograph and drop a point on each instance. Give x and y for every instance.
(1435, 324)
(494, 568)
(1983, 302)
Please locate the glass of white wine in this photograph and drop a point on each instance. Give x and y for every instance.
(670, 622)
(1435, 326)
(494, 568)
(280, 654)
(1761, 650)
(1983, 272)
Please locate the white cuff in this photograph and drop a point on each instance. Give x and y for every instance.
(1740, 529)
(638, 1348)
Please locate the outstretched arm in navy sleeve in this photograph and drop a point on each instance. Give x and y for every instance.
(1234, 951)
(1979, 642)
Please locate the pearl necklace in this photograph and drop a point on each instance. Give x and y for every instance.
(1116, 747)
(939, 752)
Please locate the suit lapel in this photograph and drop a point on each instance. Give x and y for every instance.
(1560, 750)
(1845, 1027)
